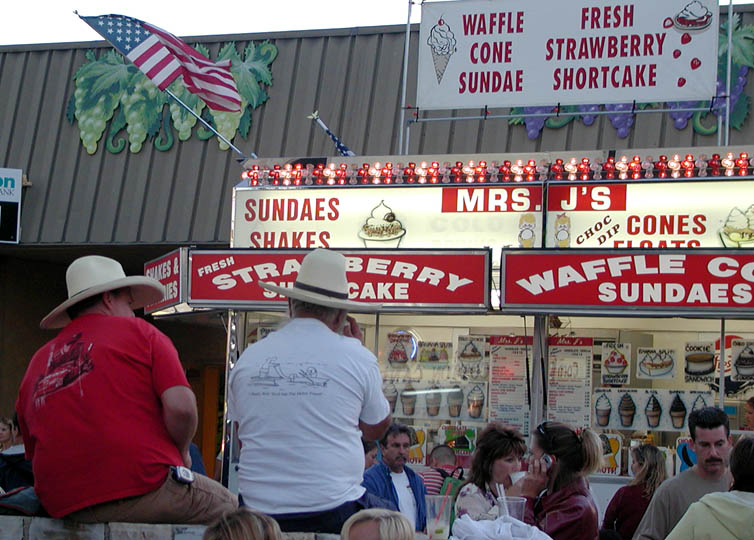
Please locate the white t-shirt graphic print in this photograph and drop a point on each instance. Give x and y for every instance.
(298, 396)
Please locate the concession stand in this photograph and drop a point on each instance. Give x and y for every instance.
(591, 289)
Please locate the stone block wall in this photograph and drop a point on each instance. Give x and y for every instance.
(26, 528)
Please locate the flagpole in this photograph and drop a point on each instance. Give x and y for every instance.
(213, 130)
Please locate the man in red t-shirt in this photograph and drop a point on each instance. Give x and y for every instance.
(106, 412)
(442, 463)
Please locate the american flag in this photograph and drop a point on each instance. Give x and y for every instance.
(343, 150)
(163, 57)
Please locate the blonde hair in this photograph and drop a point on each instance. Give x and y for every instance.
(653, 471)
(393, 525)
(579, 451)
(244, 524)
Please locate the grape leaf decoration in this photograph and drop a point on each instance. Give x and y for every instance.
(109, 90)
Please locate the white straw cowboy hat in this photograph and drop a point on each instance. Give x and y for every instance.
(322, 281)
(92, 275)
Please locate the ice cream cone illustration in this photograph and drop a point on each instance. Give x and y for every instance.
(391, 394)
(738, 230)
(475, 400)
(526, 225)
(455, 402)
(699, 403)
(626, 410)
(563, 231)
(603, 407)
(408, 400)
(382, 229)
(433, 400)
(442, 43)
(677, 412)
(653, 412)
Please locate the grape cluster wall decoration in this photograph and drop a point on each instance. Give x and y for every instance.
(110, 90)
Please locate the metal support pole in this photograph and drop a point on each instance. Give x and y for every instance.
(229, 448)
(402, 125)
(209, 127)
(539, 361)
(376, 334)
(721, 366)
(727, 82)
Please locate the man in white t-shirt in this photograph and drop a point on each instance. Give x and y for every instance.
(393, 480)
(301, 399)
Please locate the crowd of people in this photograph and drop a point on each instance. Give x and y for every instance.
(107, 399)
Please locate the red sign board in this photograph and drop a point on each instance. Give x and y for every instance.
(167, 270)
(421, 280)
(699, 283)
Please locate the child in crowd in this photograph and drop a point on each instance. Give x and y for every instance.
(244, 524)
(377, 524)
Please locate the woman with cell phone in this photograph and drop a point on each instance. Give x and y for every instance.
(498, 453)
(557, 494)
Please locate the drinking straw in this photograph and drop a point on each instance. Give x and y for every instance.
(501, 495)
(442, 505)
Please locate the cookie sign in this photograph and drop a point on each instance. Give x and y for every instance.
(699, 359)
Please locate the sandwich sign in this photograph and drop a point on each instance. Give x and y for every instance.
(10, 205)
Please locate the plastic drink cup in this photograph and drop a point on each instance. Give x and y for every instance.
(438, 516)
(516, 476)
(515, 506)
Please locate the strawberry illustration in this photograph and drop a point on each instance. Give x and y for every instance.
(681, 81)
(676, 53)
(695, 63)
(685, 38)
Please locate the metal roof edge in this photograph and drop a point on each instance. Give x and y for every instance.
(285, 34)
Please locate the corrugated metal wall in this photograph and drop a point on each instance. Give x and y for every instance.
(353, 77)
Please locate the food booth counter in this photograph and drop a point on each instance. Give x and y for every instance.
(448, 370)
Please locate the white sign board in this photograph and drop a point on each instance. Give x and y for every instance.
(711, 214)
(389, 217)
(510, 53)
(10, 205)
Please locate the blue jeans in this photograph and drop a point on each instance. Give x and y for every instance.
(327, 521)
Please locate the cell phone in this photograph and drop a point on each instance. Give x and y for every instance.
(182, 475)
(548, 461)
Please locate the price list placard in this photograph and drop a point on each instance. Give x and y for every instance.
(508, 399)
(569, 380)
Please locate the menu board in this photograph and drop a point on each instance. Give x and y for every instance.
(646, 409)
(616, 363)
(471, 358)
(436, 400)
(569, 380)
(699, 359)
(508, 396)
(655, 363)
(743, 363)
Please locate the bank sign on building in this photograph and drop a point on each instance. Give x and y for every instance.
(10, 205)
